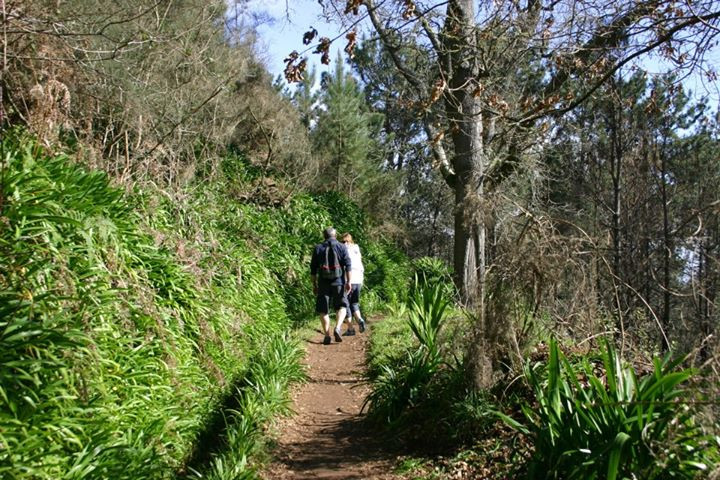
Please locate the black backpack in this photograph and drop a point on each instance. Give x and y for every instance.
(330, 269)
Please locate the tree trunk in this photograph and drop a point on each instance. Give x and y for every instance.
(616, 172)
(469, 161)
(469, 245)
(667, 253)
(465, 115)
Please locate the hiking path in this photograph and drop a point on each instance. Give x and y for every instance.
(328, 436)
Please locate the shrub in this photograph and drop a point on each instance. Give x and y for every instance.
(419, 393)
(345, 215)
(388, 271)
(402, 384)
(426, 317)
(611, 424)
(434, 271)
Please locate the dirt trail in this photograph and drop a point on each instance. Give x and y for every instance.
(328, 437)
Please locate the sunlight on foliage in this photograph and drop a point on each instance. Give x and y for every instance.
(128, 318)
(402, 382)
(603, 421)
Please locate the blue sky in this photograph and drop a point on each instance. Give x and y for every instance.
(285, 21)
(292, 18)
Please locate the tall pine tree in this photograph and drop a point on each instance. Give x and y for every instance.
(344, 136)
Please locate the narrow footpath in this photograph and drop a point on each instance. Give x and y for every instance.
(328, 437)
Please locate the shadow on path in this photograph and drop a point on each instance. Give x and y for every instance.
(328, 437)
(337, 448)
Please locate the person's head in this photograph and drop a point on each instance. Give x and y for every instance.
(347, 238)
(329, 233)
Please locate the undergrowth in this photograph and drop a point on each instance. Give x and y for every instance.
(591, 416)
(418, 379)
(135, 325)
(601, 419)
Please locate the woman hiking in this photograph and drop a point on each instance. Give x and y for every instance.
(357, 271)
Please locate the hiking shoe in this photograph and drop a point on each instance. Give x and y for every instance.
(326, 341)
(349, 332)
(361, 325)
(338, 338)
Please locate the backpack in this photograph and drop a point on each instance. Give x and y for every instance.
(330, 269)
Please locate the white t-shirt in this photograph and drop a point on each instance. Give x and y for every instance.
(356, 267)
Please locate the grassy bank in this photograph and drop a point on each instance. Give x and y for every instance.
(147, 334)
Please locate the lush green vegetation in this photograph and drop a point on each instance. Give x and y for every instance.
(154, 251)
(602, 420)
(588, 416)
(417, 372)
(132, 323)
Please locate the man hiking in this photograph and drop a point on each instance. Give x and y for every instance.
(330, 274)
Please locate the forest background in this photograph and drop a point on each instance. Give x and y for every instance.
(584, 205)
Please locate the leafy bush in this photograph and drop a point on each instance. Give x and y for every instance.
(345, 215)
(81, 358)
(427, 312)
(434, 271)
(402, 383)
(388, 271)
(115, 345)
(611, 424)
(400, 386)
(419, 393)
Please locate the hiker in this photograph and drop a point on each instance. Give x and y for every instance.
(330, 274)
(356, 280)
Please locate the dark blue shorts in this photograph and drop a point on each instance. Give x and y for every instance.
(355, 297)
(330, 295)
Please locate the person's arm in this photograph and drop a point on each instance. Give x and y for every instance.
(348, 266)
(313, 271)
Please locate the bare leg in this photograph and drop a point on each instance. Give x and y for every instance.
(359, 319)
(340, 318)
(325, 319)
